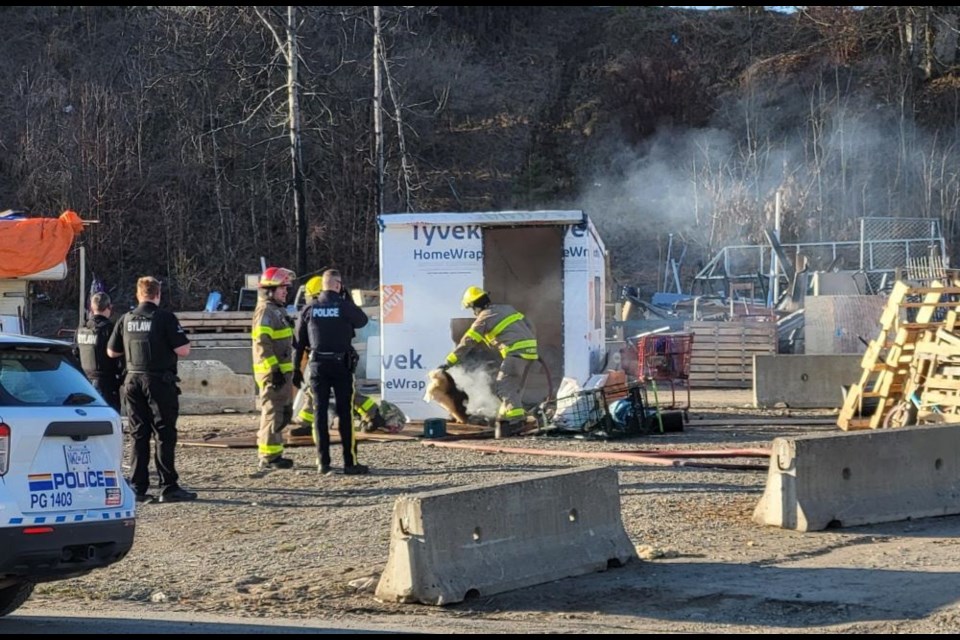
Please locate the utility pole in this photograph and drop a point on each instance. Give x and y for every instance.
(377, 107)
(296, 156)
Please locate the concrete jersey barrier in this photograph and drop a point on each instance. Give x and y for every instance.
(209, 387)
(450, 545)
(862, 477)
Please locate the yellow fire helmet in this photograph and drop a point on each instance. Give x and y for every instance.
(313, 287)
(471, 295)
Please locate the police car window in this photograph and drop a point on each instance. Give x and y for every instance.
(44, 379)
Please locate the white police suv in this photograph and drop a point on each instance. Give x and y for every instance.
(65, 508)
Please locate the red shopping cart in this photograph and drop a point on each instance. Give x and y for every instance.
(665, 358)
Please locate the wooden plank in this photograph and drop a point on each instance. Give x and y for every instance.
(742, 369)
(734, 333)
(746, 353)
(858, 424)
(745, 376)
(940, 349)
(732, 337)
(733, 347)
(215, 315)
(935, 398)
(725, 356)
(202, 324)
(891, 312)
(229, 336)
(721, 384)
(731, 343)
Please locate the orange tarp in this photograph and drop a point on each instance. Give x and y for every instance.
(36, 244)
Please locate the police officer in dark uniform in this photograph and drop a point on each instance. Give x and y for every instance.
(151, 339)
(103, 371)
(326, 327)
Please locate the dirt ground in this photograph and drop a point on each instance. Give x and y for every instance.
(293, 544)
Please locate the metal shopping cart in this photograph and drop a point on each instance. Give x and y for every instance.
(664, 358)
(611, 411)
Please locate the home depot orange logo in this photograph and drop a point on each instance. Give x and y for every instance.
(392, 296)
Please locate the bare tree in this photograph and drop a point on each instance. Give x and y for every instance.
(288, 48)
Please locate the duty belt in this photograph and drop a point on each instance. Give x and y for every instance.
(328, 355)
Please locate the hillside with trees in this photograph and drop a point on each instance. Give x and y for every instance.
(170, 126)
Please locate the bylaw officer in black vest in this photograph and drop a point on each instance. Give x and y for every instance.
(151, 339)
(104, 372)
(327, 327)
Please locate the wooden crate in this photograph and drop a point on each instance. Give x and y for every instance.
(722, 354)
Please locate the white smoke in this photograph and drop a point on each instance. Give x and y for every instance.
(478, 384)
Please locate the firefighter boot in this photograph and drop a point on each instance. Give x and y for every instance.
(301, 430)
(356, 470)
(507, 428)
(373, 422)
(277, 463)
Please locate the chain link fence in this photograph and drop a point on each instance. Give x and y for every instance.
(885, 245)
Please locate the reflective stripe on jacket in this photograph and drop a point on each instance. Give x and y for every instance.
(500, 327)
(272, 339)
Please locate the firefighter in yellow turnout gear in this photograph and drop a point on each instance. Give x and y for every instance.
(365, 408)
(272, 336)
(503, 328)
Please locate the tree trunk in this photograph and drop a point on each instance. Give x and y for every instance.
(296, 158)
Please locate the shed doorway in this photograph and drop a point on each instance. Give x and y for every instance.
(523, 267)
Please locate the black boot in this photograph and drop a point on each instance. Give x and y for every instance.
(508, 428)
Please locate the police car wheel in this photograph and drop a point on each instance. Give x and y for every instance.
(13, 596)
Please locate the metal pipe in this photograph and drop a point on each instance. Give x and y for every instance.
(774, 275)
(83, 285)
(666, 268)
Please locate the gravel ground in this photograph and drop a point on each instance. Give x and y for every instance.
(295, 544)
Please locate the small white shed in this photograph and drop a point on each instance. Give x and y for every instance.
(550, 265)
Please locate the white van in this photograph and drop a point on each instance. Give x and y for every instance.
(65, 507)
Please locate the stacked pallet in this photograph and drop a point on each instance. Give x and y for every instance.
(722, 352)
(218, 328)
(898, 363)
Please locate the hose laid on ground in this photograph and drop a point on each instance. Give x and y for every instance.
(597, 455)
(700, 453)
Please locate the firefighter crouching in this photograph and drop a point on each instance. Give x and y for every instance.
(273, 365)
(503, 328)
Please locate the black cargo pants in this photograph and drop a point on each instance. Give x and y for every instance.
(331, 373)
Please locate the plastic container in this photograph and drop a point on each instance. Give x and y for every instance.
(434, 428)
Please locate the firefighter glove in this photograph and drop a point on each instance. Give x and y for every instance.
(297, 378)
(277, 379)
(444, 366)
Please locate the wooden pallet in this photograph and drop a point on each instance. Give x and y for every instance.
(722, 352)
(215, 322)
(935, 381)
(889, 370)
